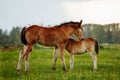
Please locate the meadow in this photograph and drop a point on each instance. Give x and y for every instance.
(41, 65)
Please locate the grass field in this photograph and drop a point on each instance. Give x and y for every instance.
(41, 65)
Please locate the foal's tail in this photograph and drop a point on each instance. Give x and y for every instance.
(96, 47)
(23, 39)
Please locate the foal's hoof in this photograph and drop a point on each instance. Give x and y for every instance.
(26, 71)
(18, 71)
(53, 68)
(94, 70)
(71, 69)
(64, 69)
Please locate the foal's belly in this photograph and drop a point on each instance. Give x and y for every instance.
(47, 44)
(80, 51)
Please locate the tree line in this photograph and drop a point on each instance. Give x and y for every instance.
(109, 33)
(11, 38)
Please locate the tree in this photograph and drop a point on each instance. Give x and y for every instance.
(99, 33)
(15, 36)
(4, 38)
(87, 30)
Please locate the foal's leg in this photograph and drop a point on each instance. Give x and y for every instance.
(55, 58)
(71, 61)
(27, 58)
(94, 60)
(63, 60)
(21, 56)
(62, 47)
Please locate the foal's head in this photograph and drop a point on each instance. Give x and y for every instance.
(78, 29)
(73, 28)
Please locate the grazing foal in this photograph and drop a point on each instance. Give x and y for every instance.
(56, 36)
(76, 47)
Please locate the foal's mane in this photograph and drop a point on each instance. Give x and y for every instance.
(66, 23)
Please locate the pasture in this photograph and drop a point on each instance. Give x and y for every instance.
(41, 65)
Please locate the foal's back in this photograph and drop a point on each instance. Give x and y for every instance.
(44, 36)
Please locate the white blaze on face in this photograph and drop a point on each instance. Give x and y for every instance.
(80, 31)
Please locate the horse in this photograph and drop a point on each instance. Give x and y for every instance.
(79, 47)
(55, 36)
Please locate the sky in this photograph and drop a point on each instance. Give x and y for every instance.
(54, 12)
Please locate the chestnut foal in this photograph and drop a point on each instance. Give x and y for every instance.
(77, 47)
(56, 36)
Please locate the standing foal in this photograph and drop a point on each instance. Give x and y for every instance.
(56, 36)
(76, 47)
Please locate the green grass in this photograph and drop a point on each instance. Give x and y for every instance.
(41, 65)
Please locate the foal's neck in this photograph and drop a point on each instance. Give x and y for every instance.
(67, 30)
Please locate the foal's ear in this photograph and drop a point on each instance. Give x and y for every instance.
(80, 22)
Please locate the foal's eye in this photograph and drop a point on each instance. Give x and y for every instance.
(78, 31)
